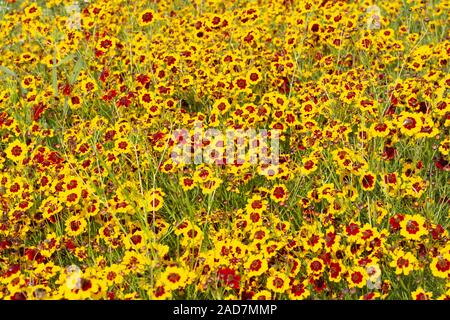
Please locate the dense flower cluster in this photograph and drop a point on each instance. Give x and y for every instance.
(95, 206)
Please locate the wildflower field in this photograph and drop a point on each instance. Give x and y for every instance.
(97, 98)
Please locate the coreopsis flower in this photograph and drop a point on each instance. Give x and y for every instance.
(336, 271)
(357, 277)
(316, 267)
(262, 295)
(260, 235)
(299, 290)
(421, 294)
(403, 262)
(153, 200)
(159, 292)
(380, 129)
(210, 185)
(187, 183)
(75, 102)
(256, 266)
(221, 105)
(88, 85)
(229, 277)
(279, 193)
(254, 76)
(256, 204)
(309, 165)
(16, 151)
(173, 278)
(98, 125)
(440, 266)
(146, 17)
(409, 123)
(413, 227)
(32, 11)
(370, 296)
(123, 146)
(444, 147)
(278, 283)
(75, 226)
(368, 181)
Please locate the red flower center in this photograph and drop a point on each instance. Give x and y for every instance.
(443, 265)
(279, 192)
(316, 266)
(409, 123)
(357, 277)
(75, 225)
(16, 151)
(147, 17)
(254, 77)
(402, 263)
(241, 83)
(368, 181)
(256, 265)
(257, 204)
(278, 282)
(412, 227)
(174, 277)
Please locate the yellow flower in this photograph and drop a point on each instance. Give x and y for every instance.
(159, 292)
(256, 266)
(221, 105)
(16, 151)
(299, 290)
(368, 181)
(278, 282)
(262, 295)
(403, 262)
(254, 76)
(146, 17)
(256, 204)
(279, 193)
(187, 183)
(75, 226)
(122, 146)
(113, 275)
(412, 227)
(173, 278)
(153, 201)
(210, 185)
(440, 266)
(32, 11)
(316, 267)
(421, 294)
(380, 129)
(357, 277)
(409, 123)
(28, 82)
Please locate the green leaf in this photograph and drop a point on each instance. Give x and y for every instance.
(76, 71)
(8, 71)
(65, 60)
(54, 75)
